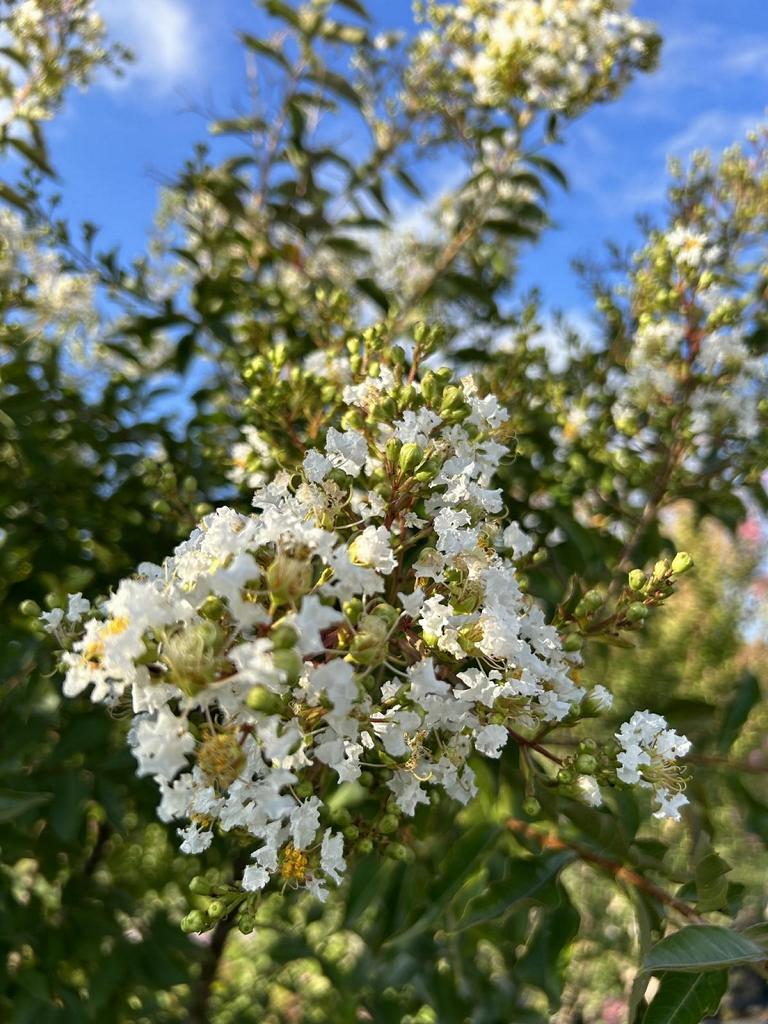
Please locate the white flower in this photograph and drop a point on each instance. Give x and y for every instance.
(491, 740)
(78, 607)
(332, 856)
(346, 450)
(373, 547)
(316, 466)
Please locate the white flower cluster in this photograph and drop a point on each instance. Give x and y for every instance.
(647, 758)
(692, 350)
(557, 55)
(366, 624)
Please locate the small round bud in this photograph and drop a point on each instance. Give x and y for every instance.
(587, 746)
(589, 603)
(351, 832)
(364, 846)
(586, 764)
(353, 609)
(636, 579)
(246, 923)
(397, 851)
(216, 909)
(304, 789)
(531, 807)
(636, 612)
(194, 921)
(573, 642)
(341, 817)
(388, 824)
(200, 886)
(411, 455)
(681, 563)
(565, 776)
(366, 780)
(283, 637)
(259, 698)
(290, 662)
(30, 609)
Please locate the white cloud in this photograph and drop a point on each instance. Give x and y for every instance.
(712, 129)
(164, 39)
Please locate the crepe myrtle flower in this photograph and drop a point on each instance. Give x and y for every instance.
(275, 656)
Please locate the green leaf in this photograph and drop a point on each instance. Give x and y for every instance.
(460, 861)
(374, 292)
(526, 880)
(13, 803)
(686, 998)
(744, 699)
(702, 948)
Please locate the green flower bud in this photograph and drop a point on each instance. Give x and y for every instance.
(290, 662)
(366, 780)
(428, 471)
(212, 608)
(364, 846)
(591, 601)
(353, 609)
(388, 824)
(341, 817)
(587, 746)
(289, 579)
(200, 886)
(261, 699)
(351, 832)
(392, 449)
(397, 851)
(565, 776)
(531, 807)
(246, 923)
(353, 419)
(661, 569)
(369, 646)
(217, 909)
(431, 387)
(386, 612)
(681, 563)
(411, 455)
(636, 579)
(636, 612)
(304, 790)
(283, 637)
(573, 642)
(586, 764)
(30, 609)
(195, 921)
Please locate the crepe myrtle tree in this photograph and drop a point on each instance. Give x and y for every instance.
(369, 705)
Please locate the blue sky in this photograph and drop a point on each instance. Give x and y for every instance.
(118, 142)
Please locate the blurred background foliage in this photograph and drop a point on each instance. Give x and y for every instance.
(262, 266)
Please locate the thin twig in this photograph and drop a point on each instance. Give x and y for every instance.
(620, 872)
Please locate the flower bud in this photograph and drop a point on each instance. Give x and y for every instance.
(289, 662)
(388, 824)
(30, 609)
(212, 608)
(246, 922)
(261, 699)
(283, 637)
(636, 579)
(364, 846)
(411, 455)
(195, 921)
(392, 449)
(573, 642)
(200, 886)
(681, 563)
(636, 612)
(353, 609)
(586, 764)
(591, 601)
(531, 807)
(386, 612)
(397, 851)
(661, 569)
(289, 578)
(370, 644)
(565, 776)
(217, 909)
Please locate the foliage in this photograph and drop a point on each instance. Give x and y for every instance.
(270, 266)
